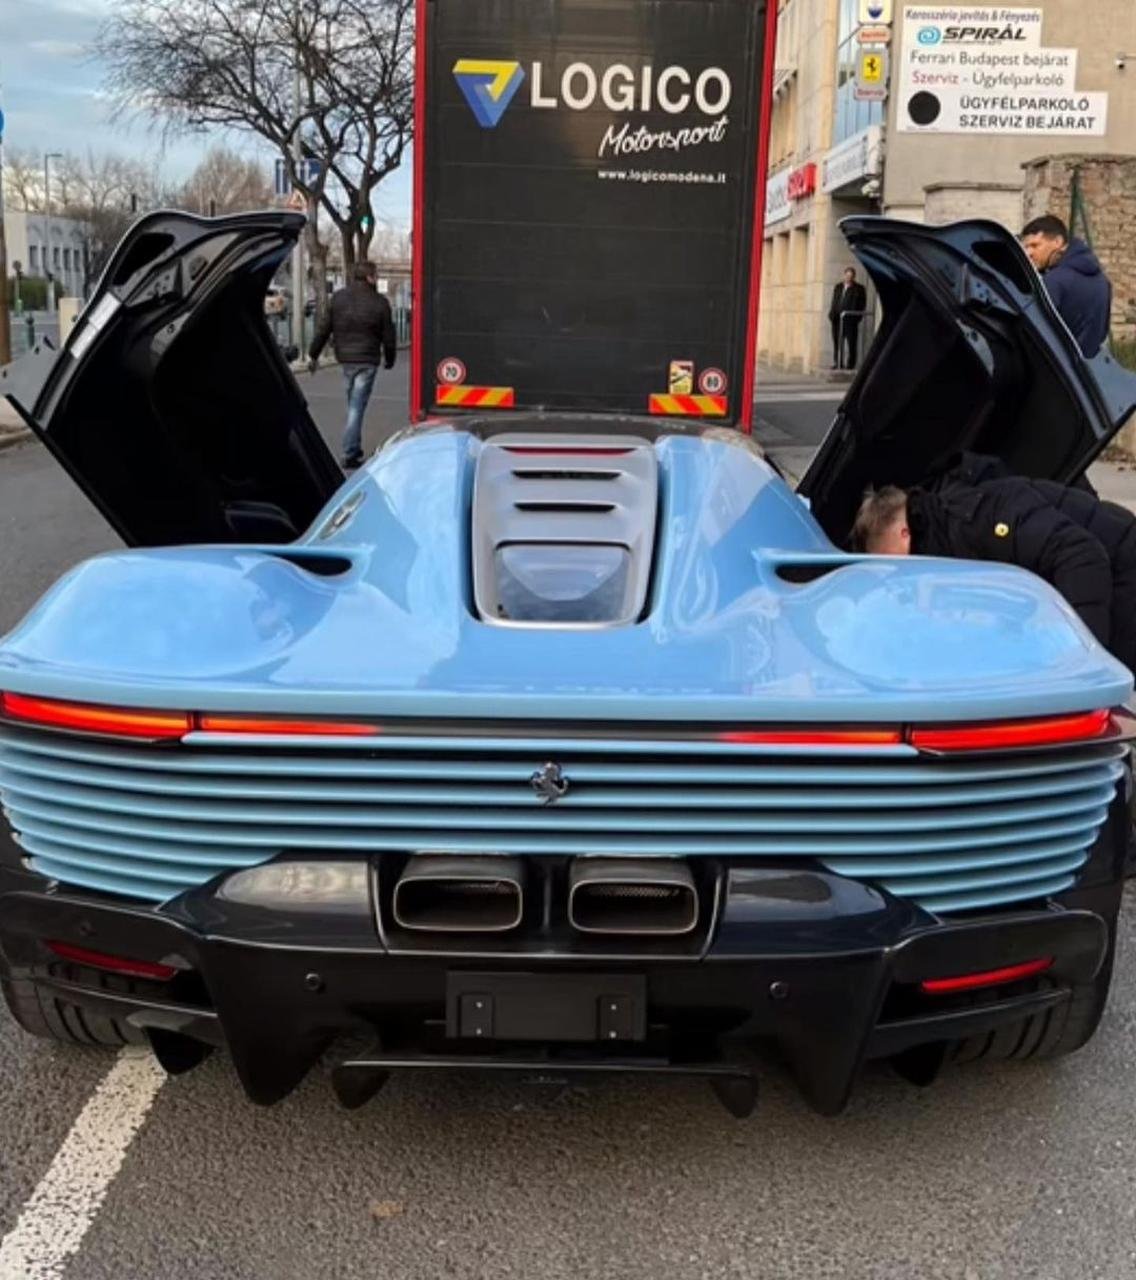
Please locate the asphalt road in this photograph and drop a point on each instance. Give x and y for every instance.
(999, 1173)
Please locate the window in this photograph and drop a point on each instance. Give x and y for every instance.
(66, 259)
(55, 257)
(563, 583)
(33, 257)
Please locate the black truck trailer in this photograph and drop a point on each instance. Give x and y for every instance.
(589, 197)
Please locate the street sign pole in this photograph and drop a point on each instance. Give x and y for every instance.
(298, 290)
(5, 314)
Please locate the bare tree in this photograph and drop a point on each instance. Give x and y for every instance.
(225, 182)
(391, 244)
(232, 64)
(105, 193)
(23, 179)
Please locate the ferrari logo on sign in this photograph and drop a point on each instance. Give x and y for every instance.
(871, 75)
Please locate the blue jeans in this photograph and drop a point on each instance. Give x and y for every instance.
(359, 380)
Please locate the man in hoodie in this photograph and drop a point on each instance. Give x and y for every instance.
(1073, 278)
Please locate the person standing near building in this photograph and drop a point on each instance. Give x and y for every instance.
(849, 302)
(359, 323)
(1073, 278)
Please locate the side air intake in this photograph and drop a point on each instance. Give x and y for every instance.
(632, 896)
(437, 894)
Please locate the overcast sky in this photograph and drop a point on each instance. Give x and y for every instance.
(51, 91)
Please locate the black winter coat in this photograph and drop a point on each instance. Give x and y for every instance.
(1009, 521)
(1114, 527)
(855, 299)
(361, 326)
(977, 468)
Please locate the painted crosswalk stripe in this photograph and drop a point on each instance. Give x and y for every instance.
(59, 1212)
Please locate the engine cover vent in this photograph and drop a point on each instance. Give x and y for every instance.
(564, 530)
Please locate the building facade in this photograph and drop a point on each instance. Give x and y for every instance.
(30, 255)
(967, 97)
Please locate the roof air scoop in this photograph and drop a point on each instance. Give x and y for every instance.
(565, 540)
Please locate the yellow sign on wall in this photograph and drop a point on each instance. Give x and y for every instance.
(871, 75)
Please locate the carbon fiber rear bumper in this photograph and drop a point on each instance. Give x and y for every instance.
(824, 970)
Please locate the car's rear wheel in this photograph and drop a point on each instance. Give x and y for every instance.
(52, 1018)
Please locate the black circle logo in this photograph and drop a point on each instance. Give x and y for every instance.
(924, 108)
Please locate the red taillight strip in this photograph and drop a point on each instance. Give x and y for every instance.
(124, 722)
(113, 964)
(127, 722)
(158, 725)
(208, 723)
(568, 451)
(988, 978)
(1053, 731)
(814, 737)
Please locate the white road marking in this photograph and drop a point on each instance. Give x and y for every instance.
(59, 1212)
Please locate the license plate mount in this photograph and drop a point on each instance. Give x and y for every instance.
(558, 1007)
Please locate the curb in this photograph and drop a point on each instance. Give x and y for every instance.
(9, 439)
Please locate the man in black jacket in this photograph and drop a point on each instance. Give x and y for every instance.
(1006, 520)
(849, 302)
(359, 322)
(1113, 526)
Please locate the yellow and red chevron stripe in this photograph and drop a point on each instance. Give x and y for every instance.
(689, 406)
(463, 397)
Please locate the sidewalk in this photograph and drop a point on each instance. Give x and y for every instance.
(1114, 481)
(1113, 477)
(12, 428)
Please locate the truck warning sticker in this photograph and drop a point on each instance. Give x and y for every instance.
(680, 378)
(712, 382)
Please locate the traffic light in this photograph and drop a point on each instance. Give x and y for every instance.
(366, 222)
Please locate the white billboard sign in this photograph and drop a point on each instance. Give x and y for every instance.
(851, 161)
(984, 70)
(778, 206)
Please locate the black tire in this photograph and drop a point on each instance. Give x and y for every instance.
(1060, 1031)
(51, 1018)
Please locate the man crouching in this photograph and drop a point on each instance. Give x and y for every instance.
(1003, 520)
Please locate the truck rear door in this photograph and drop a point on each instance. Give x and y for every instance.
(588, 198)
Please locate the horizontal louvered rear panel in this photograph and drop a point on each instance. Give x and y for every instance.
(952, 835)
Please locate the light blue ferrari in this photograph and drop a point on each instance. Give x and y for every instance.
(547, 743)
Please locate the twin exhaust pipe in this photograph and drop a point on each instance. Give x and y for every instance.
(647, 897)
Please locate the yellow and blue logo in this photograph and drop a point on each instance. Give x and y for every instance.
(488, 87)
